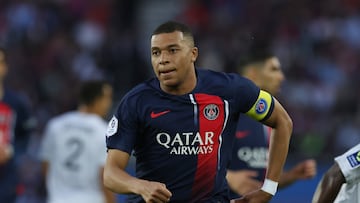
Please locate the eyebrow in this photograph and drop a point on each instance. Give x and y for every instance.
(169, 46)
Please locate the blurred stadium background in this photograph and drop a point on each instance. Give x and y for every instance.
(55, 44)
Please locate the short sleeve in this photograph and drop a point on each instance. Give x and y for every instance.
(349, 164)
(257, 104)
(123, 127)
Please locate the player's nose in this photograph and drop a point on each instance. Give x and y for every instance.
(164, 58)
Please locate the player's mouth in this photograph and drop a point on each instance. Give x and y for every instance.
(167, 72)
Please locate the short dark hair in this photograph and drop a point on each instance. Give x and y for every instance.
(91, 90)
(172, 26)
(255, 56)
(257, 53)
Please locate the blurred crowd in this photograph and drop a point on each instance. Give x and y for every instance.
(53, 45)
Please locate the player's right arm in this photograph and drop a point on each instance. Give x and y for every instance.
(119, 181)
(346, 169)
(329, 186)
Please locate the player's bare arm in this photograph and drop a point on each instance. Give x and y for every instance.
(279, 143)
(329, 186)
(119, 181)
(278, 150)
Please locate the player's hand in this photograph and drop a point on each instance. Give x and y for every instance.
(243, 181)
(305, 169)
(257, 196)
(5, 153)
(155, 192)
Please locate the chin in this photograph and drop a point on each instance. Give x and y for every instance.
(170, 85)
(169, 82)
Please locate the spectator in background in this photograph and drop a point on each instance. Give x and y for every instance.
(16, 125)
(249, 161)
(341, 183)
(73, 150)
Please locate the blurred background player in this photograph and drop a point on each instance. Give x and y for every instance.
(249, 157)
(16, 125)
(341, 183)
(74, 152)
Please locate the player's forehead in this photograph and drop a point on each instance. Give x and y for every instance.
(164, 40)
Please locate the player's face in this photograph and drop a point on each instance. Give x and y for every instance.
(272, 76)
(172, 58)
(104, 103)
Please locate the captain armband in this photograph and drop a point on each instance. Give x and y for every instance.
(261, 108)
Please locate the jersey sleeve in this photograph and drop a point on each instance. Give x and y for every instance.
(256, 103)
(349, 164)
(123, 128)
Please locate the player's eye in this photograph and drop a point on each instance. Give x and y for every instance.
(155, 52)
(173, 50)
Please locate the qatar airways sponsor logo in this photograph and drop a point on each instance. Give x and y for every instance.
(255, 157)
(187, 143)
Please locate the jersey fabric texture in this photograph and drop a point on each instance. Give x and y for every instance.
(185, 141)
(16, 125)
(74, 146)
(349, 164)
(250, 149)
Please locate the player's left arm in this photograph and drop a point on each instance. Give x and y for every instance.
(280, 120)
(279, 141)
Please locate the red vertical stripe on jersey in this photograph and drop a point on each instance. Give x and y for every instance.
(6, 121)
(207, 162)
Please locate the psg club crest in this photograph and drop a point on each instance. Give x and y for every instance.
(261, 106)
(211, 111)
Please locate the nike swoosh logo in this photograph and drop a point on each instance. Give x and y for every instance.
(155, 115)
(242, 134)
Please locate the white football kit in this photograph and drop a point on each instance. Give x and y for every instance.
(74, 146)
(349, 163)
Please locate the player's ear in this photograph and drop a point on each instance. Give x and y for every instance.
(195, 54)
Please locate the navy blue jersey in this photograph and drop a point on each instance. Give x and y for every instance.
(15, 126)
(185, 141)
(250, 149)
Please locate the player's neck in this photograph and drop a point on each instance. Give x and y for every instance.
(89, 110)
(185, 87)
(84, 109)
